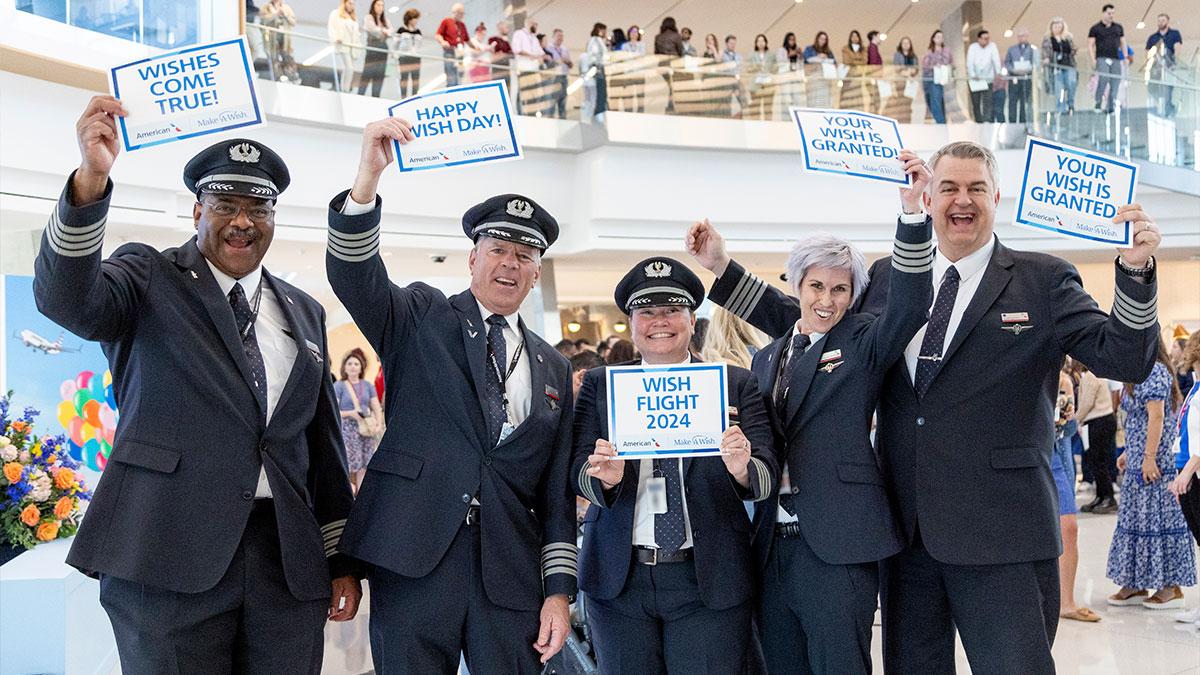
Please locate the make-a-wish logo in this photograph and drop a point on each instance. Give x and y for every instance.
(485, 149)
(223, 118)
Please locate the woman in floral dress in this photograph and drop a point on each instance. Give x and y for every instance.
(1151, 547)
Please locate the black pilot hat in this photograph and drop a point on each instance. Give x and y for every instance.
(656, 282)
(511, 218)
(237, 167)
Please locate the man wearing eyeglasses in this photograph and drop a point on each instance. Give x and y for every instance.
(214, 528)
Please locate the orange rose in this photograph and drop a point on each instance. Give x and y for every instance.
(64, 507)
(64, 479)
(51, 459)
(12, 472)
(48, 531)
(20, 426)
(30, 515)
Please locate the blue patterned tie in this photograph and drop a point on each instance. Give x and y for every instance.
(244, 317)
(668, 527)
(799, 344)
(930, 359)
(497, 416)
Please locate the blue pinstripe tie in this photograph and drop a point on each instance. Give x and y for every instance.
(930, 359)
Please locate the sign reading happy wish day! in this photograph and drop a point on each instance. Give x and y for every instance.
(1075, 192)
(192, 92)
(851, 143)
(461, 125)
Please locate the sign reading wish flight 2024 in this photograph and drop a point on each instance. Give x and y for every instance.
(191, 92)
(851, 143)
(1075, 192)
(667, 411)
(456, 126)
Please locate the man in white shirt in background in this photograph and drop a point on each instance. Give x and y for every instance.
(530, 57)
(983, 65)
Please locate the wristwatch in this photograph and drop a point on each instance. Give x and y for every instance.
(1143, 273)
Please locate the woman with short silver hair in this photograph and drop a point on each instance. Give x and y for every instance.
(829, 522)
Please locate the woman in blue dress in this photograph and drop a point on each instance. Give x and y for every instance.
(1151, 547)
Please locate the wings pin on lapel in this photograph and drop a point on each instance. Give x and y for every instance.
(1015, 322)
(552, 397)
(830, 360)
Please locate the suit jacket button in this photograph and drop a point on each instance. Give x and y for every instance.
(466, 498)
(487, 461)
(920, 421)
(248, 495)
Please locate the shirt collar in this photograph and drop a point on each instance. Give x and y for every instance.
(512, 319)
(249, 282)
(685, 361)
(967, 266)
(813, 337)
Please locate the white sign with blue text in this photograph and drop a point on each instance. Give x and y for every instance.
(1075, 192)
(851, 143)
(191, 92)
(667, 411)
(456, 126)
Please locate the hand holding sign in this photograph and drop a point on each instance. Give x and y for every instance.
(603, 464)
(735, 452)
(707, 246)
(1145, 235)
(919, 177)
(377, 154)
(96, 133)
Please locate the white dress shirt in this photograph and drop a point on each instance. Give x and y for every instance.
(970, 273)
(983, 63)
(518, 386)
(785, 479)
(643, 512)
(277, 345)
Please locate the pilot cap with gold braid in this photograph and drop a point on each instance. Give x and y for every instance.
(659, 281)
(237, 167)
(512, 218)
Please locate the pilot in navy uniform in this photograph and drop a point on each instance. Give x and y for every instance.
(819, 540)
(966, 418)
(214, 527)
(465, 516)
(666, 562)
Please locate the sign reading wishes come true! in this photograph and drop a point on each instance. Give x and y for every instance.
(851, 143)
(1075, 192)
(456, 126)
(191, 92)
(667, 411)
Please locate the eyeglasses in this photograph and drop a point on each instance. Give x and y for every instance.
(228, 211)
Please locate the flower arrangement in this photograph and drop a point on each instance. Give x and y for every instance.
(41, 487)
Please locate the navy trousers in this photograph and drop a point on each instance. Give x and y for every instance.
(248, 623)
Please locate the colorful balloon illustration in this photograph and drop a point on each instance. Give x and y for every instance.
(88, 413)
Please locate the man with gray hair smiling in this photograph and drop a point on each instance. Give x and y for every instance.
(829, 521)
(966, 420)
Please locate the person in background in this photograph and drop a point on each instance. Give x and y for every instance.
(634, 44)
(908, 67)
(1161, 55)
(618, 40)
(620, 351)
(585, 345)
(343, 33)
(357, 401)
(873, 70)
(1019, 60)
(874, 57)
(1094, 412)
(279, 15)
(580, 364)
(818, 89)
(380, 386)
(635, 82)
(502, 53)
(560, 61)
(377, 28)
(688, 48)
(408, 61)
(1062, 466)
(529, 59)
(594, 57)
(731, 340)
(1179, 364)
(730, 53)
(1186, 486)
(1106, 45)
(789, 52)
(712, 48)
(983, 65)
(452, 35)
(700, 335)
(1058, 57)
(479, 50)
(937, 57)
(1150, 547)
(819, 51)
(854, 57)
(668, 43)
(566, 347)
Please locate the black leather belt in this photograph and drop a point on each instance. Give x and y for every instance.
(652, 556)
(473, 514)
(787, 529)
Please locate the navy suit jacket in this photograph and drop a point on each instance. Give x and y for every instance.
(969, 462)
(824, 434)
(437, 454)
(720, 526)
(174, 499)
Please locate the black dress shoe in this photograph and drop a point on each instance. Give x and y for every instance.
(1108, 505)
(1091, 506)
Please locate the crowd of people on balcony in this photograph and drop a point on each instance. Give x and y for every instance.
(625, 69)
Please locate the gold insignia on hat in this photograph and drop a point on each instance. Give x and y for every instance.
(657, 269)
(520, 208)
(244, 152)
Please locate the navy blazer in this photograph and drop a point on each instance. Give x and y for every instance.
(171, 506)
(720, 526)
(824, 434)
(437, 454)
(970, 461)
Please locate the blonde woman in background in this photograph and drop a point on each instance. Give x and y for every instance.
(731, 340)
(343, 33)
